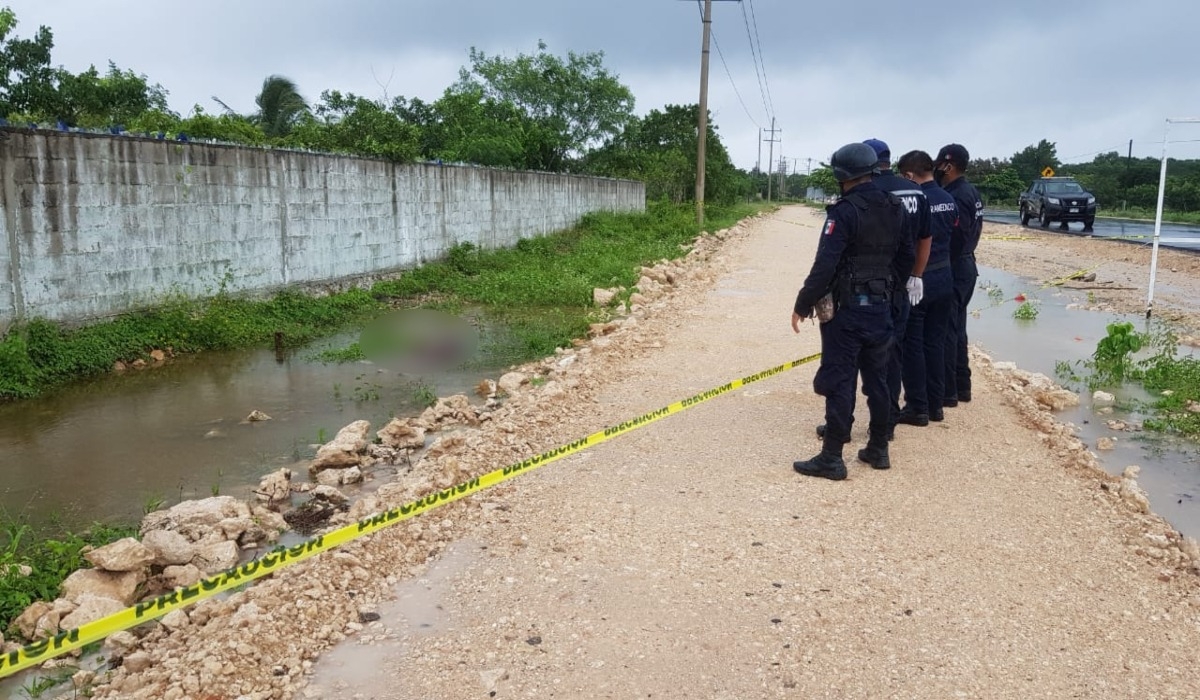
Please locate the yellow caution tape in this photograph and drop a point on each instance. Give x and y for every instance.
(284, 557)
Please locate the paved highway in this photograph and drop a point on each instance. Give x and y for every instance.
(1141, 232)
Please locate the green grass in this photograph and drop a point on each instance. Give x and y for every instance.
(1143, 214)
(40, 355)
(540, 291)
(51, 552)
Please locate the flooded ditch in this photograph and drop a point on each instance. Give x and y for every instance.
(110, 449)
(1170, 466)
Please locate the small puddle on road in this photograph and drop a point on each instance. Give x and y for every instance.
(1170, 467)
(363, 667)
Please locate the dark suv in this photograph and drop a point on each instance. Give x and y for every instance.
(1060, 199)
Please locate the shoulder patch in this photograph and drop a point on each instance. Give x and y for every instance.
(829, 226)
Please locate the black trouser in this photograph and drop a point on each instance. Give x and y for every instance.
(895, 368)
(925, 345)
(958, 367)
(857, 339)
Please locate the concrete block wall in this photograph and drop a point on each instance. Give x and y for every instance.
(99, 225)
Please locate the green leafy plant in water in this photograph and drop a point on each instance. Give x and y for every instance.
(1025, 312)
(1112, 362)
(424, 395)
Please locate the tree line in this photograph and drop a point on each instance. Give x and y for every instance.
(536, 111)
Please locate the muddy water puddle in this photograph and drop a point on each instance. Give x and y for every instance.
(109, 449)
(1170, 467)
(366, 666)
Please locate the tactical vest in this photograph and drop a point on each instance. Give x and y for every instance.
(866, 267)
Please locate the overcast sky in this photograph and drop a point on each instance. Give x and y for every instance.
(994, 76)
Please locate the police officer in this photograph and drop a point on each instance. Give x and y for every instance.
(925, 337)
(916, 228)
(950, 169)
(916, 225)
(856, 264)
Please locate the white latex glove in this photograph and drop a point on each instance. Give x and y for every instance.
(916, 290)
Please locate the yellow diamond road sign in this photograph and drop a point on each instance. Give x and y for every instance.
(1048, 172)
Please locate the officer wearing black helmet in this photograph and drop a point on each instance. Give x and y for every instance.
(950, 169)
(855, 265)
(916, 227)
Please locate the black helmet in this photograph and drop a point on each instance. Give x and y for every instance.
(854, 160)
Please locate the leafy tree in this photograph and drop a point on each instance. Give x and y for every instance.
(347, 123)
(576, 101)
(466, 126)
(822, 178)
(280, 106)
(660, 149)
(1030, 162)
(1002, 185)
(26, 78)
(228, 127)
(89, 99)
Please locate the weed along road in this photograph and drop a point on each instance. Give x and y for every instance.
(687, 559)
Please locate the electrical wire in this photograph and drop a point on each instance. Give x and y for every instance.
(754, 55)
(762, 59)
(729, 73)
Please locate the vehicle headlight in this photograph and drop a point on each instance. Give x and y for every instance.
(1052, 200)
(1091, 200)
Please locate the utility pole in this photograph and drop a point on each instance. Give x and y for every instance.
(702, 133)
(771, 156)
(758, 163)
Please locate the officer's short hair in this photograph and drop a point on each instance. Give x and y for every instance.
(918, 162)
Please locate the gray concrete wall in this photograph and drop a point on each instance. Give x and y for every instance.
(98, 225)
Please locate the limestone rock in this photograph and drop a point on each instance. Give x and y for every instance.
(119, 643)
(330, 495)
(1056, 399)
(345, 450)
(196, 520)
(257, 416)
(26, 622)
(1106, 444)
(329, 477)
(169, 547)
(270, 521)
(137, 662)
(275, 489)
(119, 586)
(181, 576)
(211, 558)
(1103, 398)
(451, 410)
(603, 297)
(123, 555)
(511, 383)
(353, 475)
(637, 299)
(175, 619)
(91, 608)
(402, 435)
(1131, 493)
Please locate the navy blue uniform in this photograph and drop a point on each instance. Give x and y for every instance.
(963, 241)
(860, 333)
(929, 321)
(916, 228)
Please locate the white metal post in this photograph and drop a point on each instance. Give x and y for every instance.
(1162, 191)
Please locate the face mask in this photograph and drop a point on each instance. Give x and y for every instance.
(939, 176)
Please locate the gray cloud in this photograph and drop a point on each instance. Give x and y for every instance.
(993, 76)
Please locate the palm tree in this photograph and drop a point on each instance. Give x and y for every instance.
(280, 106)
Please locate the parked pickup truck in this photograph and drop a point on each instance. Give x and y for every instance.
(1060, 199)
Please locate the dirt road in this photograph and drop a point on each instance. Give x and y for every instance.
(688, 560)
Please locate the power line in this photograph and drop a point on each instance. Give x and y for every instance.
(733, 83)
(762, 59)
(754, 55)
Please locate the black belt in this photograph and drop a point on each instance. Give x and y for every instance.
(938, 266)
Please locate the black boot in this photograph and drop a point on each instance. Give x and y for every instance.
(821, 433)
(828, 464)
(910, 417)
(876, 453)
